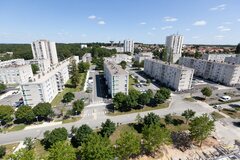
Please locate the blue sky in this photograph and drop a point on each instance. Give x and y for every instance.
(147, 21)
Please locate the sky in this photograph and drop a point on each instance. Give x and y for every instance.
(146, 21)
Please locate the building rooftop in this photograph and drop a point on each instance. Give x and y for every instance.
(113, 68)
(12, 63)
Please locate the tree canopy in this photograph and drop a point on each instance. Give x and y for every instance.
(107, 128)
(6, 114)
(96, 147)
(81, 135)
(188, 114)
(206, 91)
(2, 87)
(61, 150)
(35, 68)
(25, 114)
(123, 64)
(151, 119)
(58, 134)
(43, 110)
(78, 106)
(201, 127)
(68, 97)
(83, 67)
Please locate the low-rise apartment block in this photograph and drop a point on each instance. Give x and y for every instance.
(173, 76)
(143, 55)
(87, 57)
(217, 57)
(44, 86)
(220, 72)
(118, 58)
(233, 60)
(15, 71)
(116, 78)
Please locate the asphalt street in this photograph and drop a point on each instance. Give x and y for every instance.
(95, 115)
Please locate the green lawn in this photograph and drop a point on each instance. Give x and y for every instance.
(179, 124)
(39, 150)
(10, 147)
(146, 108)
(60, 95)
(17, 127)
(216, 115)
(190, 99)
(70, 120)
(131, 83)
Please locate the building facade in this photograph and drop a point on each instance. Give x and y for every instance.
(116, 78)
(87, 57)
(15, 71)
(128, 46)
(173, 76)
(233, 60)
(44, 86)
(224, 73)
(45, 50)
(143, 55)
(174, 45)
(217, 57)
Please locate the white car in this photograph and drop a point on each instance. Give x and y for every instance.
(225, 98)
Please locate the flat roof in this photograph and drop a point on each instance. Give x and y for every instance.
(113, 68)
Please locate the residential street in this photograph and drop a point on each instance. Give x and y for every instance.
(94, 115)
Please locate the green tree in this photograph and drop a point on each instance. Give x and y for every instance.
(168, 119)
(151, 119)
(25, 114)
(159, 97)
(78, 106)
(58, 134)
(132, 99)
(123, 64)
(164, 56)
(201, 127)
(68, 97)
(83, 67)
(206, 91)
(61, 150)
(107, 128)
(154, 136)
(28, 142)
(119, 100)
(127, 145)
(22, 154)
(165, 92)
(6, 114)
(96, 147)
(81, 135)
(188, 114)
(197, 54)
(2, 151)
(75, 74)
(144, 99)
(43, 110)
(2, 87)
(238, 49)
(181, 140)
(35, 68)
(150, 93)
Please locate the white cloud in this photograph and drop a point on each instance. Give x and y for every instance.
(218, 8)
(170, 19)
(195, 37)
(92, 17)
(101, 22)
(219, 37)
(223, 28)
(143, 23)
(200, 23)
(154, 28)
(166, 27)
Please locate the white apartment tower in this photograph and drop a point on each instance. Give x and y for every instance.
(45, 51)
(174, 45)
(116, 78)
(174, 76)
(128, 46)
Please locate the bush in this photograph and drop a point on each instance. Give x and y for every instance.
(2, 151)
(68, 97)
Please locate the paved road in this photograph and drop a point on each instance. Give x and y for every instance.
(11, 99)
(95, 115)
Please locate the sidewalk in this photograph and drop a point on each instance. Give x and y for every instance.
(45, 124)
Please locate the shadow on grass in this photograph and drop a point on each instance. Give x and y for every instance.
(199, 98)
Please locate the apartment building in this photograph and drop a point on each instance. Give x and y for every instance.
(143, 55)
(15, 71)
(116, 78)
(220, 72)
(217, 57)
(234, 59)
(43, 64)
(87, 57)
(128, 46)
(44, 86)
(118, 58)
(174, 45)
(45, 50)
(173, 76)
(118, 49)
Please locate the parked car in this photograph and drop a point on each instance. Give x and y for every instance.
(217, 107)
(225, 98)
